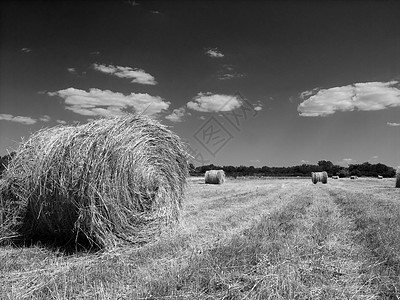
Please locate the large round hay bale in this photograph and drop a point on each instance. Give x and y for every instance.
(109, 181)
(215, 177)
(398, 177)
(314, 177)
(319, 177)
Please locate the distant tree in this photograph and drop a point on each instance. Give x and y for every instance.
(229, 170)
(251, 170)
(265, 170)
(356, 172)
(326, 165)
(343, 173)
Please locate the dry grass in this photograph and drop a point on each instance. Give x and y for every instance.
(215, 177)
(247, 239)
(107, 182)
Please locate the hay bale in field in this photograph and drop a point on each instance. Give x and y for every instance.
(215, 177)
(335, 177)
(398, 177)
(380, 177)
(353, 177)
(107, 182)
(319, 177)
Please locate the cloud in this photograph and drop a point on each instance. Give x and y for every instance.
(137, 75)
(346, 161)
(393, 124)
(258, 107)
(214, 53)
(208, 102)
(26, 50)
(154, 11)
(71, 70)
(133, 2)
(61, 122)
(367, 96)
(177, 115)
(254, 160)
(303, 161)
(228, 72)
(98, 102)
(95, 52)
(18, 119)
(45, 118)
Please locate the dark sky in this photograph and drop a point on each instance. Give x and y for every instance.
(243, 82)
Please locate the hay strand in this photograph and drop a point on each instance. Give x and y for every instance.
(110, 181)
(215, 177)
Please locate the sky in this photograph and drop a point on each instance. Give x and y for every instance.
(262, 83)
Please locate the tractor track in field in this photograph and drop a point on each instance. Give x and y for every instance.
(371, 211)
(223, 218)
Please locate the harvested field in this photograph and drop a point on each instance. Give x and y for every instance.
(246, 239)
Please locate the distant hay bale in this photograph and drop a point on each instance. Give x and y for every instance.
(215, 177)
(108, 182)
(319, 177)
(353, 177)
(398, 177)
(380, 177)
(335, 177)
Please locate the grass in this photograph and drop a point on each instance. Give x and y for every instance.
(376, 216)
(260, 239)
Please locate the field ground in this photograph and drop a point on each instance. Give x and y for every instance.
(246, 239)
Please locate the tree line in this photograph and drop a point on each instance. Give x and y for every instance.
(364, 169)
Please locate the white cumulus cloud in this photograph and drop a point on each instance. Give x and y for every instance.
(228, 72)
(208, 102)
(346, 162)
(367, 96)
(214, 53)
(177, 115)
(96, 102)
(137, 75)
(45, 118)
(393, 124)
(18, 119)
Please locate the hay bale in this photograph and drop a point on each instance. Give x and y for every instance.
(110, 181)
(353, 177)
(319, 177)
(398, 177)
(380, 177)
(335, 177)
(215, 177)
